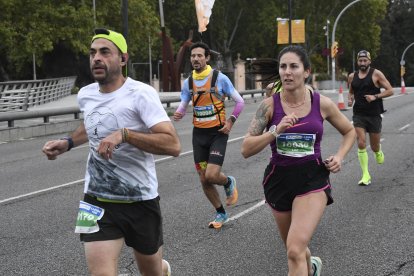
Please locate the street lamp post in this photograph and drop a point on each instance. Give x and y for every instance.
(290, 22)
(94, 13)
(326, 28)
(34, 66)
(402, 72)
(333, 39)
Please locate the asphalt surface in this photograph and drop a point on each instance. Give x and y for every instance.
(367, 231)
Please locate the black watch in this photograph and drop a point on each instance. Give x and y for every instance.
(70, 142)
(233, 119)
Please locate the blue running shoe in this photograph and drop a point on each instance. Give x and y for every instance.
(316, 266)
(219, 220)
(231, 192)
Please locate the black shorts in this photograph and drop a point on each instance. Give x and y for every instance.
(371, 124)
(282, 184)
(209, 146)
(139, 223)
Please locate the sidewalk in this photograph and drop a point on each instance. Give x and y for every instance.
(28, 128)
(25, 129)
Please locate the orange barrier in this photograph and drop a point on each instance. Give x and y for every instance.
(341, 103)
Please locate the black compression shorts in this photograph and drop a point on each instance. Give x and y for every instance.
(282, 184)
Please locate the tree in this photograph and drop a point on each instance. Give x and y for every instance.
(397, 34)
(58, 32)
(43, 27)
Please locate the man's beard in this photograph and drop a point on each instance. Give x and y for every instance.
(363, 68)
(107, 77)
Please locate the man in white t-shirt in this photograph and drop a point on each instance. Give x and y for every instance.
(124, 123)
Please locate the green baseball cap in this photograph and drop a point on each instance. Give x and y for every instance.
(116, 38)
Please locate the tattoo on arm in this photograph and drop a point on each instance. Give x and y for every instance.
(260, 120)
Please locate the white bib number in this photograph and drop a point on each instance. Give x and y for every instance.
(204, 113)
(88, 216)
(296, 144)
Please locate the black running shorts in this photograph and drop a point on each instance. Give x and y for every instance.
(371, 124)
(209, 146)
(139, 223)
(282, 184)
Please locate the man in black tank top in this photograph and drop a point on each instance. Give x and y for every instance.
(365, 89)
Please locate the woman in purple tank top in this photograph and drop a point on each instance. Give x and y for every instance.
(296, 179)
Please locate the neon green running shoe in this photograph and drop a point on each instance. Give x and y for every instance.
(365, 181)
(379, 156)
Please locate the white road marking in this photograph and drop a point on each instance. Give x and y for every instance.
(257, 205)
(404, 127)
(82, 180)
(235, 217)
(41, 191)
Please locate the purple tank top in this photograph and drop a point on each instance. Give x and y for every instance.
(300, 143)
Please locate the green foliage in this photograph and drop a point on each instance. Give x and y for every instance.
(37, 27)
(34, 27)
(397, 34)
(59, 32)
(322, 76)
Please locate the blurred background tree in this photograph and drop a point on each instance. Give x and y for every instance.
(57, 33)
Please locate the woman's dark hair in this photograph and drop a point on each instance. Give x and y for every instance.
(201, 45)
(268, 68)
(299, 51)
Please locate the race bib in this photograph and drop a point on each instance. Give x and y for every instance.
(296, 144)
(204, 113)
(88, 216)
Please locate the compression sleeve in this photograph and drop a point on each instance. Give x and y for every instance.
(239, 103)
(185, 98)
(225, 85)
(182, 107)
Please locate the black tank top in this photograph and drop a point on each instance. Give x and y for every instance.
(362, 87)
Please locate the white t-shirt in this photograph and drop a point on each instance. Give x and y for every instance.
(130, 174)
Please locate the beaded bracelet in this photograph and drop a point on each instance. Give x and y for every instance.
(125, 134)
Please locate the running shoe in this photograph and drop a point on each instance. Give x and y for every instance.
(218, 222)
(379, 156)
(231, 192)
(365, 181)
(167, 270)
(316, 266)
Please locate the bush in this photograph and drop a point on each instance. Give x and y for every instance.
(74, 90)
(322, 76)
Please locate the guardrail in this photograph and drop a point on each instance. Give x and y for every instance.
(19, 95)
(10, 117)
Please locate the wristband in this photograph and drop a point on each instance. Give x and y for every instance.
(125, 134)
(70, 142)
(376, 96)
(233, 119)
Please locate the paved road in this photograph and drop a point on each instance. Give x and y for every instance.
(367, 231)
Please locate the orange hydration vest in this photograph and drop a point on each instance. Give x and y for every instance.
(208, 105)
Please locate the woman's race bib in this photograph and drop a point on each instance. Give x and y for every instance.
(88, 216)
(296, 144)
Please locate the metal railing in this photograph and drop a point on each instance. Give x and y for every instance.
(23, 94)
(10, 117)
